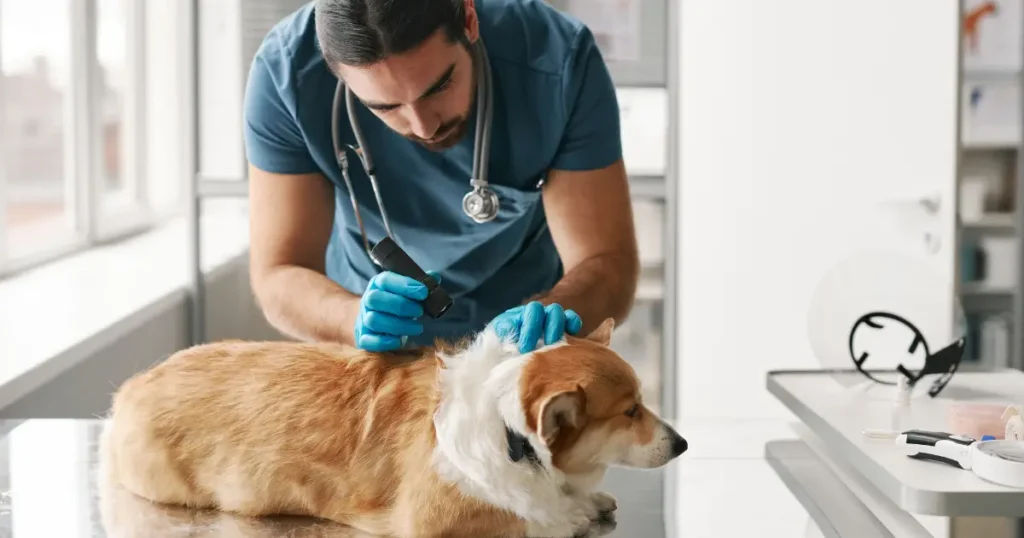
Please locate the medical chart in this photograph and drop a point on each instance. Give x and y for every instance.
(615, 25)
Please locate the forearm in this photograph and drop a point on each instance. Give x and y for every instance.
(307, 305)
(598, 288)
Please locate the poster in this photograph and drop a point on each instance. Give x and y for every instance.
(615, 25)
(992, 35)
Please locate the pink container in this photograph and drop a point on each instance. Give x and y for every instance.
(977, 419)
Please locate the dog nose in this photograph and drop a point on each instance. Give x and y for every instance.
(679, 445)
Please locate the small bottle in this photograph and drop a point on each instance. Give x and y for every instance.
(902, 391)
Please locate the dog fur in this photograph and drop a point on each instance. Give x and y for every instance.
(410, 444)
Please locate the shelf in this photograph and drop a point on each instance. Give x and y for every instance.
(649, 187)
(991, 145)
(980, 289)
(992, 222)
(991, 75)
(650, 289)
(222, 188)
(651, 285)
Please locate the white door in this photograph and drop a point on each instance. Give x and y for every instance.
(805, 127)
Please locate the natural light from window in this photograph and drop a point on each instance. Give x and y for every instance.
(72, 126)
(35, 50)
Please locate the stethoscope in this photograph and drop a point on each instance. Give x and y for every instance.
(480, 204)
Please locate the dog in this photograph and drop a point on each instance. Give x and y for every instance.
(468, 440)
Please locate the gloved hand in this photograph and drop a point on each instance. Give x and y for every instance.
(389, 311)
(527, 324)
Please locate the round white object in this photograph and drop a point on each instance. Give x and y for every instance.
(1000, 462)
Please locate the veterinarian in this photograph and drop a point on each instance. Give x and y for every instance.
(558, 252)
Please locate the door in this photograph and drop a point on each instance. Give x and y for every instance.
(809, 132)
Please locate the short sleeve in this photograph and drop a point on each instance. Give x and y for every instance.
(592, 138)
(273, 140)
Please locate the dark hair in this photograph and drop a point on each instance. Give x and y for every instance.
(362, 32)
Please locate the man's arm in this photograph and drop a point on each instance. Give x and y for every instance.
(291, 208)
(591, 221)
(289, 228)
(586, 196)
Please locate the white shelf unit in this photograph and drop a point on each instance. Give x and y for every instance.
(991, 197)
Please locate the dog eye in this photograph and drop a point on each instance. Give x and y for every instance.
(632, 411)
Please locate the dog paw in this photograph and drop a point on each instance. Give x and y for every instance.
(589, 504)
(600, 509)
(583, 515)
(604, 502)
(603, 526)
(577, 521)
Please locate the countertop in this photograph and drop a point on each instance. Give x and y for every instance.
(723, 486)
(840, 405)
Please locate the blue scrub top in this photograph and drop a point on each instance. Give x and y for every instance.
(554, 108)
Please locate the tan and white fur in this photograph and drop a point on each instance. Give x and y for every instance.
(409, 444)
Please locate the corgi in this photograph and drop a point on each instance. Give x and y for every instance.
(469, 440)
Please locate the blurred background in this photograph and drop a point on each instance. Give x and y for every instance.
(765, 141)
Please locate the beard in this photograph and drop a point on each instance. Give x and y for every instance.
(452, 132)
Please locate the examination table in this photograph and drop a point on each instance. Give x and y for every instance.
(48, 489)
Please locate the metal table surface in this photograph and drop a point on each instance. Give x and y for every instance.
(724, 486)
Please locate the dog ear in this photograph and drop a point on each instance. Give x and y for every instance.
(603, 333)
(560, 411)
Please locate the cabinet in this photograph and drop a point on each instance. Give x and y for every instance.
(990, 177)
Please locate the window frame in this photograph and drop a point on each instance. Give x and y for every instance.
(135, 215)
(3, 153)
(95, 221)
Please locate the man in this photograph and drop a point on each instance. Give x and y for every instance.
(563, 242)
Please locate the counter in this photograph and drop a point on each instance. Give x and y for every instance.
(724, 486)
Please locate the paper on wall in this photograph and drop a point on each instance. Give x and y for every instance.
(992, 35)
(615, 25)
(990, 112)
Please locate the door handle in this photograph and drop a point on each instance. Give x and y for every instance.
(926, 207)
(930, 202)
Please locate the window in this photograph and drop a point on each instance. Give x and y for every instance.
(73, 132)
(33, 119)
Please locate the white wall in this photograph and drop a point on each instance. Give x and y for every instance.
(789, 111)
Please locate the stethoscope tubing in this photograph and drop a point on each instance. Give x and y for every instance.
(481, 148)
(484, 95)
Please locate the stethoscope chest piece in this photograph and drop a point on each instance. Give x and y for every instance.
(481, 203)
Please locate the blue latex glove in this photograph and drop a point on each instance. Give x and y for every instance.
(526, 324)
(389, 311)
